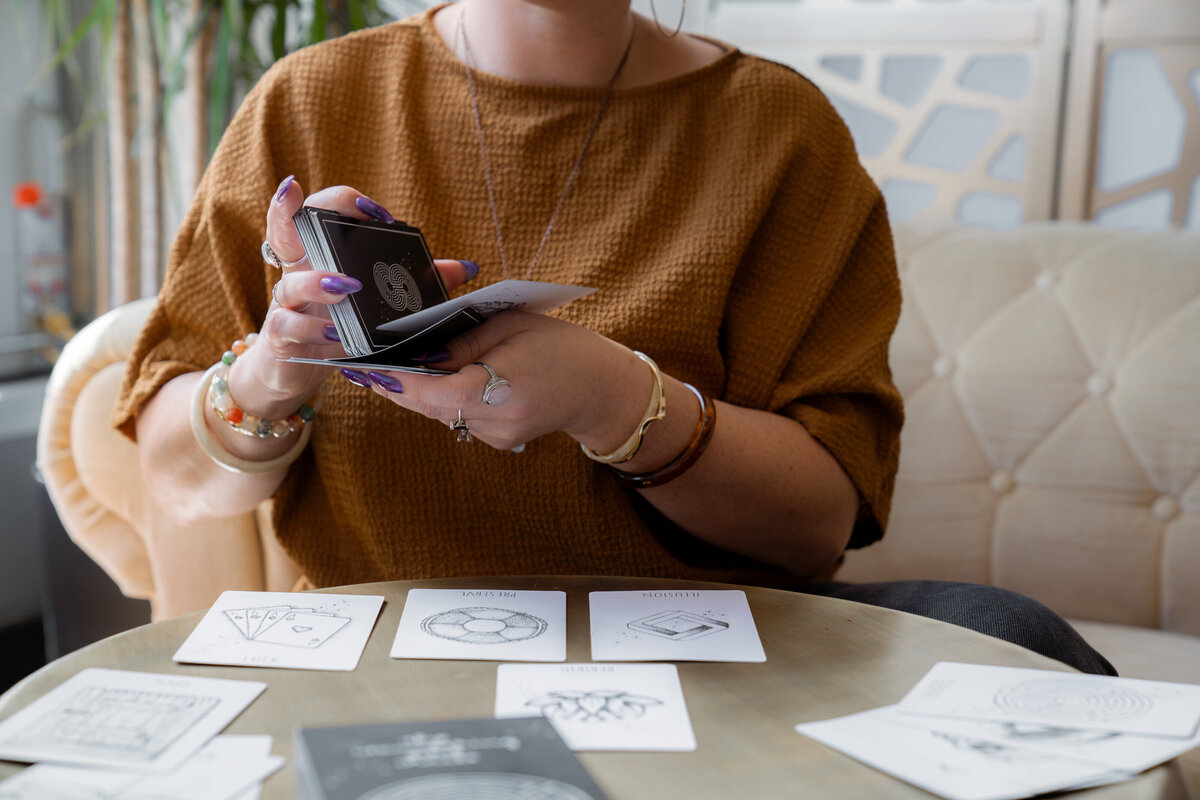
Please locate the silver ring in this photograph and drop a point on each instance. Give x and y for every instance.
(460, 425)
(494, 383)
(275, 297)
(275, 261)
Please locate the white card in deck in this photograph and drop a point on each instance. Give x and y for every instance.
(227, 768)
(288, 630)
(674, 625)
(483, 625)
(600, 706)
(953, 766)
(1063, 699)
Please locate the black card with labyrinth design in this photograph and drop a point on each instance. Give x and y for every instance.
(390, 259)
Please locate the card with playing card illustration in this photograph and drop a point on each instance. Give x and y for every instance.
(308, 630)
(303, 629)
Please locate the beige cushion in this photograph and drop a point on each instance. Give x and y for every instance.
(1145, 653)
(1052, 382)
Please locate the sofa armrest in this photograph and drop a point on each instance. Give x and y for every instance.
(93, 476)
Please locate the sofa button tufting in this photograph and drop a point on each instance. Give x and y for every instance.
(943, 366)
(1046, 280)
(1099, 384)
(1164, 508)
(1001, 482)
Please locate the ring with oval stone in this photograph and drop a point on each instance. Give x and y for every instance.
(269, 256)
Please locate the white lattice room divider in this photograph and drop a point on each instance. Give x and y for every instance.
(1131, 146)
(954, 104)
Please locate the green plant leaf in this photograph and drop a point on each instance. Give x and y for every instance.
(358, 15)
(221, 87)
(320, 23)
(158, 14)
(279, 30)
(173, 82)
(101, 14)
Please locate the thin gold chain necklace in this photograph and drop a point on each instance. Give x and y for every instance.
(460, 30)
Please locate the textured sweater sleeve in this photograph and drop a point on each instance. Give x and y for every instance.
(838, 383)
(822, 268)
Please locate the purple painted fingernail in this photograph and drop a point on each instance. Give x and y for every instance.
(331, 333)
(282, 191)
(356, 377)
(340, 284)
(373, 209)
(471, 268)
(391, 384)
(440, 354)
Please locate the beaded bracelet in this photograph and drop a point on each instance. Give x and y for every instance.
(682, 462)
(208, 443)
(225, 407)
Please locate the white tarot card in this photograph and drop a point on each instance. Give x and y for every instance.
(1065, 699)
(674, 625)
(289, 630)
(509, 295)
(1124, 751)
(953, 766)
(42, 781)
(224, 769)
(137, 721)
(600, 706)
(483, 625)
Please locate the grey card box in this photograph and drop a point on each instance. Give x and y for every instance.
(496, 758)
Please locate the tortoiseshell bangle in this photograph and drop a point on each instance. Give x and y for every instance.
(682, 462)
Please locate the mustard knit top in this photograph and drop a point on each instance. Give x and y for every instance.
(723, 216)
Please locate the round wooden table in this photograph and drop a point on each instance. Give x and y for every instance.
(825, 658)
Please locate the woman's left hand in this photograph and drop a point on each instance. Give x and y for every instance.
(561, 376)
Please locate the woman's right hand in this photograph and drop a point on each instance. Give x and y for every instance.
(298, 322)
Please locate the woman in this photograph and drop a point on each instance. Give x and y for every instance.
(714, 200)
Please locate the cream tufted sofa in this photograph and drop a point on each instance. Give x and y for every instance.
(1052, 444)
(1052, 381)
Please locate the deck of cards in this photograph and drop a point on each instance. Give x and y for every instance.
(402, 310)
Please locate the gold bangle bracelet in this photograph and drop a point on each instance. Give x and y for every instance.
(656, 409)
